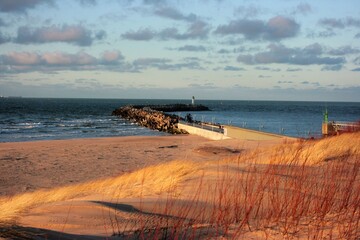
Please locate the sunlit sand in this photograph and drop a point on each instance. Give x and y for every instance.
(188, 188)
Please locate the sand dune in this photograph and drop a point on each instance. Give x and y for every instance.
(231, 189)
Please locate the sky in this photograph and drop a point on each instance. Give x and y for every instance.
(170, 49)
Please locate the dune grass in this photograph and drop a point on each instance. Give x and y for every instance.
(297, 190)
(150, 180)
(308, 152)
(310, 190)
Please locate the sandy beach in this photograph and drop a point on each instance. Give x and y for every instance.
(29, 166)
(112, 187)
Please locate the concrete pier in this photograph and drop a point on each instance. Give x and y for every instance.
(228, 132)
(206, 133)
(335, 128)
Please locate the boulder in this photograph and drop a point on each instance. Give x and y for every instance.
(150, 118)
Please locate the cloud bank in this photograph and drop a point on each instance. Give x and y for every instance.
(196, 30)
(339, 23)
(174, 14)
(278, 53)
(276, 28)
(74, 34)
(47, 61)
(113, 60)
(21, 5)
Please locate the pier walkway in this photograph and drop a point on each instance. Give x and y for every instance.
(220, 132)
(333, 128)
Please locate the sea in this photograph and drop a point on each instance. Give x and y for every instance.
(33, 119)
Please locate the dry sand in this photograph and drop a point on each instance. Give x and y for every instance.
(30, 166)
(124, 202)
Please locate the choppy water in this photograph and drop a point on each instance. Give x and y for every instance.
(26, 119)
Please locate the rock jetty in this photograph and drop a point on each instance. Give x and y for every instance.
(150, 118)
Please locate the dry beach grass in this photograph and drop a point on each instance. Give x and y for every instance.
(293, 190)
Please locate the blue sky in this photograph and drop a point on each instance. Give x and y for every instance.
(212, 49)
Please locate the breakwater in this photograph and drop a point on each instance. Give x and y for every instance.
(148, 117)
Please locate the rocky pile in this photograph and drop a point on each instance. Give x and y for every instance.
(150, 118)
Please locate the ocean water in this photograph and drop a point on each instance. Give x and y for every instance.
(30, 119)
